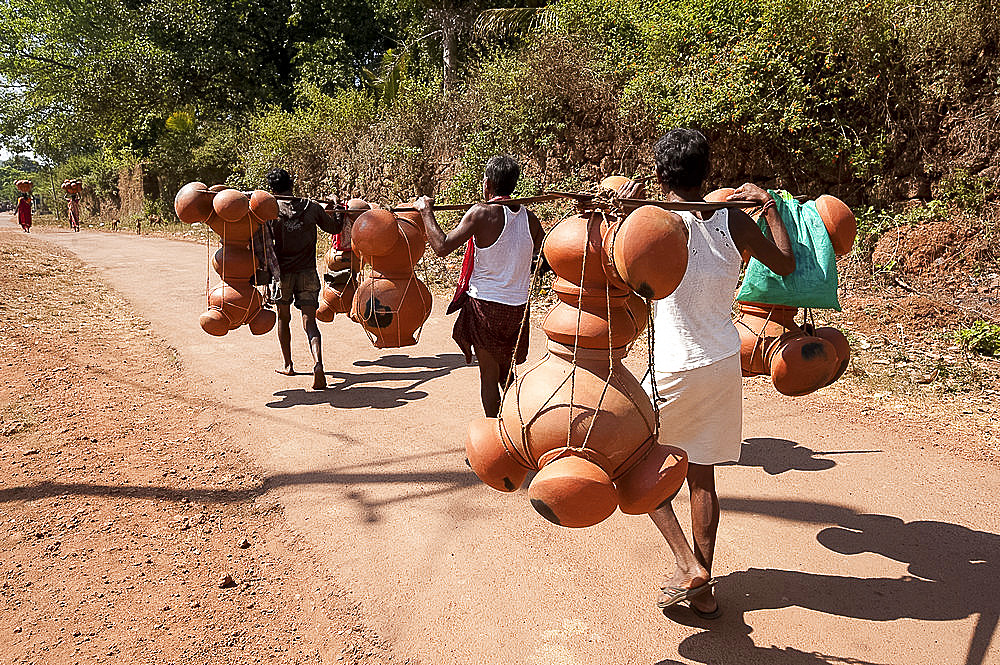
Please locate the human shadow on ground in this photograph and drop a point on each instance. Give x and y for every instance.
(350, 390)
(776, 456)
(954, 574)
(349, 481)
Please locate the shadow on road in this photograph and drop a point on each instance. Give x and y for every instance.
(349, 390)
(776, 456)
(954, 574)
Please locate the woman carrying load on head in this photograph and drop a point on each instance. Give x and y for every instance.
(23, 211)
(696, 379)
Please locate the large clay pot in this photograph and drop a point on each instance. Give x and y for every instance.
(564, 250)
(391, 310)
(615, 182)
(24, 186)
(839, 221)
(193, 203)
(404, 255)
(649, 251)
(234, 263)
(375, 233)
(263, 206)
(591, 319)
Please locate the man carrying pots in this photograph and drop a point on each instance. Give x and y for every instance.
(501, 241)
(289, 245)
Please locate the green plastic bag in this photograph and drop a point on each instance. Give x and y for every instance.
(814, 282)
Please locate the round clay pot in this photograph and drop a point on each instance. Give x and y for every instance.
(333, 301)
(390, 310)
(568, 242)
(231, 205)
(375, 233)
(24, 186)
(214, 322)
(759, 327)
(649, 251)
(638, 310)
(592, 324)
(193, 203)
(237, 302)
(573, 492)
(234, 263)
(240, 231)
(219, 188)
(489, 460)
(839, 221)
(655, 478)
(801, 364)
(403, 256)
(263, 322)
(614, 183)
(358, 204)
(720, 194)
(843, 348)
(263, 205)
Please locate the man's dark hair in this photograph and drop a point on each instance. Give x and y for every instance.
(278, 180)
(682, 158)
(503, 172)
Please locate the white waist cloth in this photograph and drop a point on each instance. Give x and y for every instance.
(701, 410)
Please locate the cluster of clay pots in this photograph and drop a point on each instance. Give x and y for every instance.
(390, 303)
(342, 265)
(799, 359)
(578, 417)
(72, 186)
(24, 186)
(235, 217)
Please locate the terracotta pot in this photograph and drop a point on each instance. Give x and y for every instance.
(653, 480)
(798, 362)
(573, 492)
(391, 311)
(231, 205)
(375, 233)
(358, 204)
(24, 186)
(333, 301)
(218, 188)
(238, 302)
(584, 318)
(614, 183)
(193, 203)
(839, 221)
(649, 251)
(263, 322)
(263, 206)
(843, 348)
(234, 263)
(403, 256)
(638, 310)
(574, 249)
(490, 460)
(214, 322)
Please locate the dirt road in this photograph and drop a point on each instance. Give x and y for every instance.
(848, 535)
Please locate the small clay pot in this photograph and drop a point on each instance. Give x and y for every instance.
(333, 301)
(193, 203)
(263, 206)
(574, 249)
(214, 322)
(649, 251)
(231, 205)
(801, 364)
(615, 182)
(840, 223)
(573, 492)
(843, 348)
(655, 478)
(489, 459)
(263, 322)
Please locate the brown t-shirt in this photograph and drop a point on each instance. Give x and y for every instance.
(294, 234)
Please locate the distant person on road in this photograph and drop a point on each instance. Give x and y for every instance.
(23, 211)
(73, 208)
(290, 247)
(501, 242)
(696, 359)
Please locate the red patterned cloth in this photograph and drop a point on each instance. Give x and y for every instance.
(24, 212)
(493, 328)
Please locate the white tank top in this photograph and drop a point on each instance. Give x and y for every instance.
(693, 326)
(502, 272)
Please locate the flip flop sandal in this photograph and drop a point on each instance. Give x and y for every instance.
(674, 595)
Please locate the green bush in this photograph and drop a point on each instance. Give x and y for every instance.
(981, 337)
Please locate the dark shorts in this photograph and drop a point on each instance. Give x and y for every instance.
(302, 288)
(492, 328)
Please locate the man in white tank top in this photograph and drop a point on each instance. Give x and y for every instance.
(501, 242)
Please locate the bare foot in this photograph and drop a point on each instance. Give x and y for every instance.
(319, 378)
(287, 371)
